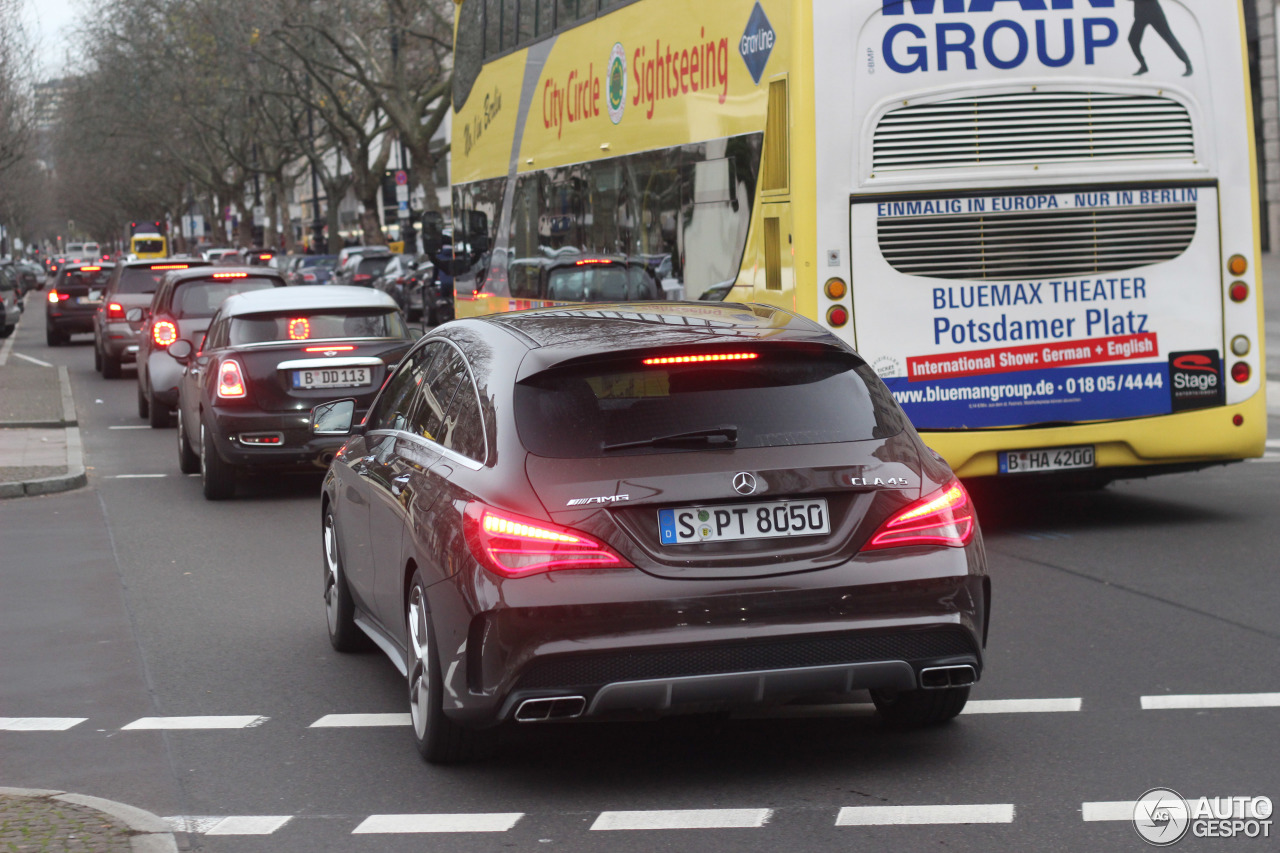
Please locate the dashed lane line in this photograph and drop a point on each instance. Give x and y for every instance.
(1115, 810)
(39, 724)
(684, 819)
(333, 721)
(421, 823)
(220, 722)
(920, 815)
(139, 476)
(231, 825)
(130, 426)
(32, 360)
(1020, 706)
(1211, 700)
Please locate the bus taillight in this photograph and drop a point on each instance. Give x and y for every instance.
(1239, 291)
(837, 316)
(1237, 265)
(1240, 371)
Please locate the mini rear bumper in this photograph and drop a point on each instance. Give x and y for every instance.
(624, 641)
(270, 439)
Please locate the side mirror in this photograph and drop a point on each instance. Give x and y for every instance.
(181, 351)
(133, 315)
(334, 418)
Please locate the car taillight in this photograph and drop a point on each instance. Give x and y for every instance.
(115, 311)
(55, 297)
(308, 276)
(693, 359)
(944, 517)
(230, 380)
(362, 277)
(514, 546)
(164, 333)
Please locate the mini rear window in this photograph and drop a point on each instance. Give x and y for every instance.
(314, 325)
(777, 399)
(201, 298)
(89, 278)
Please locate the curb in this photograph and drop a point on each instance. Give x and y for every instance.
(75, 476)
(152, 834)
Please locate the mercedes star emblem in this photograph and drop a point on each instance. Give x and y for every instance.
(744, 483)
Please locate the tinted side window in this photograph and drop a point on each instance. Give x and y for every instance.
(395, 403)
(442, 380)
(463, 428)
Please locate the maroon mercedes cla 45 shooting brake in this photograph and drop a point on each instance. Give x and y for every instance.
(652, 507)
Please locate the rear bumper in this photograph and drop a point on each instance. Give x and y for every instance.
(625, 641)
(70, 321)
(119, 341)
(234, 431)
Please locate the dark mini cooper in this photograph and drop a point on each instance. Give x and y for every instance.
(74, 300)
(269, 357)
(653, 507)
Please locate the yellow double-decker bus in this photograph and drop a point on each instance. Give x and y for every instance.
(1036, 219)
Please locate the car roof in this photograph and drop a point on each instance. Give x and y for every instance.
(305, 297)
(207, 270)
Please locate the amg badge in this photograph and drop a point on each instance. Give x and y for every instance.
(603, 499)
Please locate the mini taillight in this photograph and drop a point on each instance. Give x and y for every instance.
(230, 380)
(231, 275)
(164, 333)
(115, 311)
(514, 546)
(944, 517)
(299, 329)
(693, 359)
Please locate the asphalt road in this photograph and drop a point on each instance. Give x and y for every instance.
(136, 598)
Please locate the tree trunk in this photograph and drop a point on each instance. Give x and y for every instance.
(370, 225)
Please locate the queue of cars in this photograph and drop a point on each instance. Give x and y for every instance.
(621, 507)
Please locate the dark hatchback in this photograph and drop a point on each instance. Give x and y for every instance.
(74, 301)
(269, 357)
(654, 507)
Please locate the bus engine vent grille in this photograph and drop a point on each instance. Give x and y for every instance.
(1035, 244)
(1031, 128)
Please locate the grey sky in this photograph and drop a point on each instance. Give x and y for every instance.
(50, 23)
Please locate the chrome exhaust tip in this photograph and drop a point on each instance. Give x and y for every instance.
(938, 677)
(550, 708)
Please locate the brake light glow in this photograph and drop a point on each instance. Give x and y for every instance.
(90, 269)
(55, 296)
(164, 333)
(592, 261)
(170, 266)
(115, 311)
(693, 359)
(230, 380)
(362, 277)
(299, 329)
(514, 546)
(231, 275)
(308, 276)
(265, 257)
(342, 348)
(944, 517)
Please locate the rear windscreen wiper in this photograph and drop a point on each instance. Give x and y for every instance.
(720, 436)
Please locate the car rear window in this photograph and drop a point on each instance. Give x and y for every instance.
(316, 325)
(775, 399)
(88, 277)
(599, 283)
(142, 279)
(201, 298)
(373, 266)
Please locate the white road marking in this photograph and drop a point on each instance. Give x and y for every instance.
(1019, 706)
(130, 426)
(684, 819)
(1115, 810)
(222, 722)
(140, 476)
(39, 724)
(902, 815)
(32, 360)
(232, 825)
(333, 721)
(1274, 443)
(1211, 700)
(406, 823)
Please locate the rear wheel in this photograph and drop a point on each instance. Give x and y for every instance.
(53, 337)
(339, 607)
(110, 366)
(217, 477)
(157, 412)
(439, 739)
(143, 407)
(188, 459)
(97, 358)
(913, 709)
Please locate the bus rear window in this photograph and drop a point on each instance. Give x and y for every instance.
(778, 399)
(202, 298)
(148, 246)
(310, 325)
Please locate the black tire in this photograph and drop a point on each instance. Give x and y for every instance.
(216, 475)
(157, 413)
(97, 358)
(188, 459)
(143, 407)
(53, 337)
(339, 606)
(439, 739)
(913, 709)
(6, 331)
(110, 367)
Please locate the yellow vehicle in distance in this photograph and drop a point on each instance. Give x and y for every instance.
(147, 241)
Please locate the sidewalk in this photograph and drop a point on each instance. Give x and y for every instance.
(36, 821)
(40, 451)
